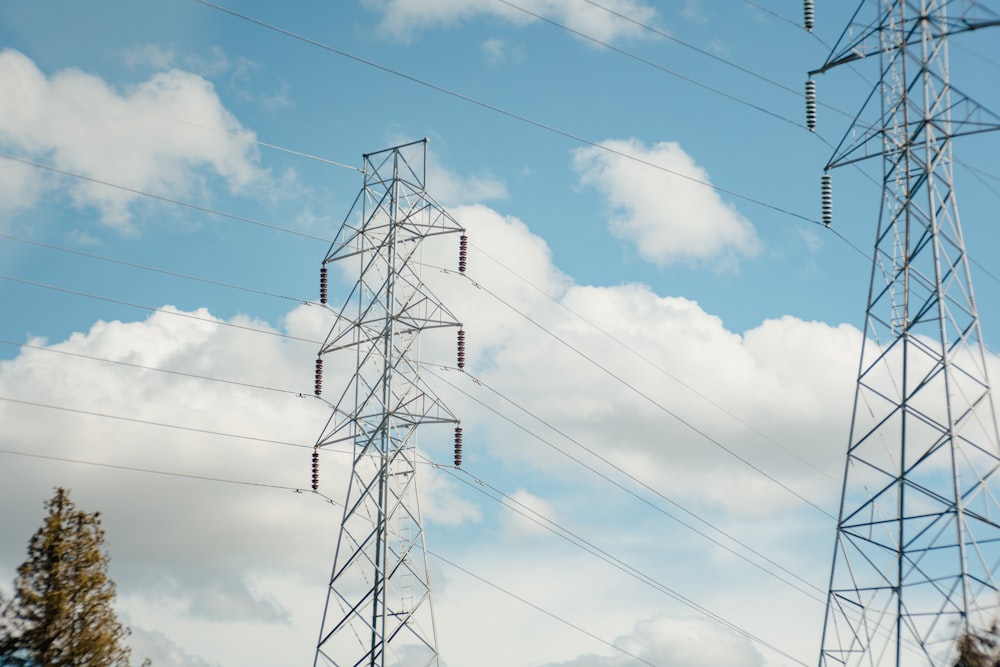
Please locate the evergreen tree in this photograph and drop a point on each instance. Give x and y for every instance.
(980, 649)
(61, 612)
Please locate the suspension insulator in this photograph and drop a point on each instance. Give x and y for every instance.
(463, 252)
(322, 285)
(315, 470)
(461, 349)
(811, 105)
(810, 15)
(827, 199)
(458, 446)
(318, 389)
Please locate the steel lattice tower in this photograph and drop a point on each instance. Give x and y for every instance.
(378, 608)
(917, 552)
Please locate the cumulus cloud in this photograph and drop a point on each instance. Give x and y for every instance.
(77, 122)
(402, 17)
(670, 215)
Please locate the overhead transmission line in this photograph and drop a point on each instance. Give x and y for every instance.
(484, 404)
(113, 466)
(169, 200)
(205, 478)
(148, 422)
(645, 359)
(499, 299)
(631, 492)
(657, 66)
(496, 297)
(597, 552)
(649, 399)
(555, 528)
(153, 309)
(221, 322)
(145, 267)
(128, 364)
(505, 112)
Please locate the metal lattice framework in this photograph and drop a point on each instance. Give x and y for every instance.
(918, 541)
(378, 608)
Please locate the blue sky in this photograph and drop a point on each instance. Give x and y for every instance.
(714, 331)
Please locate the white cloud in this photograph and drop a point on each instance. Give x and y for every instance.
(667, 215)
(77, 122)
(403, 17)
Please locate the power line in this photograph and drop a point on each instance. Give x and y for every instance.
(657, 66)
(203, 478)
(645, 359)
(483, 384)
(617, 378)
(504, 112)
(169, 200)
(153, 269)
(537, 608)
(645, 579)
(629, 491)
(128, 364)
(563, 532)
(149, 422)
(164, 311)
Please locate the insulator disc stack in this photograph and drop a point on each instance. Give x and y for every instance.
(322, 285)
(811, 105)
(458, 446)
(827, 199)
(461, 349)
(810, 15)
(463, 252)
(318, 389)
(315, 470)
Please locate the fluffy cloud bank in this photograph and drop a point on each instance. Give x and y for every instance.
(650, 383)
(76, 122)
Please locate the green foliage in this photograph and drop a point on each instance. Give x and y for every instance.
(61, 613)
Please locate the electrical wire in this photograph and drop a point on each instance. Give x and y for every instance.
(645, 359)
(597, 552)
(203, 478)
(168, 371)
(590, 451)
(537, 608)
(649, 399)
(153, 309)
(148, 422)
(655, 65)
(510, 401)
(632, 493)
(504, 112)
(152, 269)
(169, 200)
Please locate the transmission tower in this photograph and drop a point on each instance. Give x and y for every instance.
(917, 552)
(378, 606)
